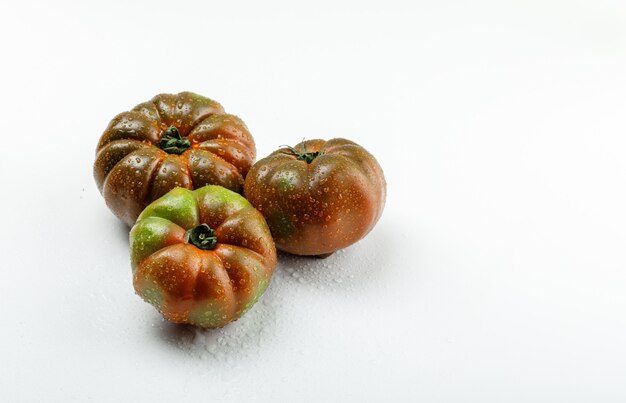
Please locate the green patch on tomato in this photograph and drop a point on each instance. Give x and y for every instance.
(208, 314)
(285, 181)
(148, 236)
(178, 206)
(281, 224)
(151, 293)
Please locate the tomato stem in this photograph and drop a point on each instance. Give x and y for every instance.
(303, 155)
(202, 237)
(172, 142)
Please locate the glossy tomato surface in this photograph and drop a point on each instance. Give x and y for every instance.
(184, 140)
(201, 257)
(319, 196)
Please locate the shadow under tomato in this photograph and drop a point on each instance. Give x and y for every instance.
(357, 266)
(234, 342)
(122, 230)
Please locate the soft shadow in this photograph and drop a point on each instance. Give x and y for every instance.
(358, 266)
(234, 342)
(121, 229)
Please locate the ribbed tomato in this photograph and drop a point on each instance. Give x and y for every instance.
(172, 140)
(202, 257)
(319, 196)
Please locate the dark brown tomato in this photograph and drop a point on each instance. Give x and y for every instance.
(174, 140)
(319, 196)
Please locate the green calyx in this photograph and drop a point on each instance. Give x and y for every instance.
(303, 154)
(202, 237)
(172, 142)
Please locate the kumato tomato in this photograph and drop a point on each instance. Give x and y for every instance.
(319, 196)
(201, 257)
(172, 140)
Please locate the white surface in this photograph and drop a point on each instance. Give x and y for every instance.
(496, 274)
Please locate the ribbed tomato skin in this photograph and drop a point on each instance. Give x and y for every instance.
(206, 288)
(132, 170)
(321, 206)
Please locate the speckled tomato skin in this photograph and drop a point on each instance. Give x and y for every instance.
(131, 170)
(319, 207)
(206, 288)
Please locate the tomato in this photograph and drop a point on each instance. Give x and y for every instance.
(201, 257)
(319, 196)
(181, 140)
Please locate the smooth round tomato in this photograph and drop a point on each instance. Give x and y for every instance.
(201, 257)
(319, 196)
(172, 140)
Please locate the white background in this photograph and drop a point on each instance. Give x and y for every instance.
(496, 274)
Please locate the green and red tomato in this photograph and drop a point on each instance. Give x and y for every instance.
(201, 257)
